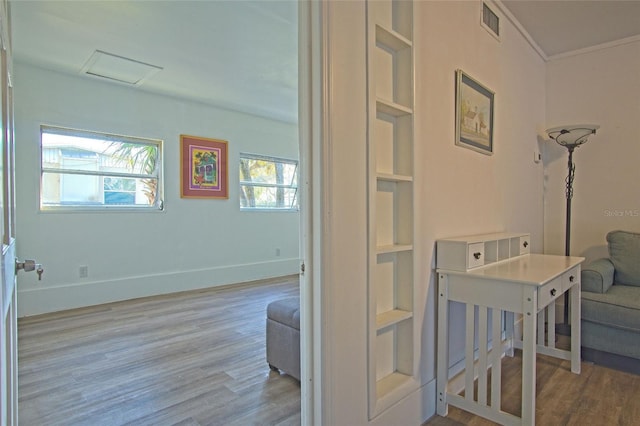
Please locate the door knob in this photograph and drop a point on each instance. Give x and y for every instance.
(29, 265)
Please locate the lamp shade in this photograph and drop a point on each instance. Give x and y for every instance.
(572, 135)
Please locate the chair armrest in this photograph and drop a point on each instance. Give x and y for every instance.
(597, 277)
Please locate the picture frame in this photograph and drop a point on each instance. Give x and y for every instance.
(474, 114)
(204, 171)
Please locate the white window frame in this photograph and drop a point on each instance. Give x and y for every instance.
(156, 174)
(293, 185)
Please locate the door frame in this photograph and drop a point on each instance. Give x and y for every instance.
(312, 127)
(8, 287)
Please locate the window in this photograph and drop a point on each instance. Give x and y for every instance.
(268, 183)
(89, 170)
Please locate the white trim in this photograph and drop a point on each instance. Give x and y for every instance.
(293, 185)
(61, 297)
(519, 27)
(322, 207)
(305, 107)
(313, 126)
(608, 45)
(73, 141)
(548, 58)
(271, 158)
(420, 404)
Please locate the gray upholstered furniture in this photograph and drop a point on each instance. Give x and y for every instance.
(283, 336)
(611, 304)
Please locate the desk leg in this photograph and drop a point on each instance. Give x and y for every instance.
(574, 293)
(496, 359)
(529, 357)
(442, 377)
(512, 334)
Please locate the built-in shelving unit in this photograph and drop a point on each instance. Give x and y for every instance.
(392, 345)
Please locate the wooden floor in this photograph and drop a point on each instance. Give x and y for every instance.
(195, 358)
(198, 358)
(598, 396)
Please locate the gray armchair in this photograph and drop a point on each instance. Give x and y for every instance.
(611, 304)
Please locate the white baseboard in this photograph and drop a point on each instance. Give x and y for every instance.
(52, 299)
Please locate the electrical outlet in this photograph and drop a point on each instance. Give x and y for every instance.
(83, 271)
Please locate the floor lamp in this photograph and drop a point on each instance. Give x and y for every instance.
(570, 137)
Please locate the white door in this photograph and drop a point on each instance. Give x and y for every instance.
(8, 295)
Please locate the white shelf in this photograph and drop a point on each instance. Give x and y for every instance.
(394, 248)
(392, 39)
(387, 384)
(390, 389)
(392, 108)
(394, 177)
(389, 318)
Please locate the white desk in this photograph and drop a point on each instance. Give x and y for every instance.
(525, 284)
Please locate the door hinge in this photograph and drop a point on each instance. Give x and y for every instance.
(302, 268)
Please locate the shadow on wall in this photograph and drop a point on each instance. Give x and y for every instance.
(551, 151)
(595, 252)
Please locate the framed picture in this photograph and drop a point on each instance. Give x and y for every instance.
(474, 114)
(203, 168)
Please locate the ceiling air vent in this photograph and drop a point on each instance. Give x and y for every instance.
(118, 68)
(490, 21)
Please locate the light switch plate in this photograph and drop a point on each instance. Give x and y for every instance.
(537, 156)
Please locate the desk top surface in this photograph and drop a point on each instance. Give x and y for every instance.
(529, 269)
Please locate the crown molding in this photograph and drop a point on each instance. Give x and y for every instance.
(608, 45)
(520, 28)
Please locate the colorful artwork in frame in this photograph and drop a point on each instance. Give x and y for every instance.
(474, 114)
(203, 163)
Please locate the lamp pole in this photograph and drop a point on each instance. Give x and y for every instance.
(571, 137)
(567, 232)
(569, 194)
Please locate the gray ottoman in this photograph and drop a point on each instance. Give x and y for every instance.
(283, 336)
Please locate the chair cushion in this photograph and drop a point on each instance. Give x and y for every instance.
(624, 251)
(285, 311)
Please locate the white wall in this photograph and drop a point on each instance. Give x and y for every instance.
(459, 191)
(194, 243)
(602, 87)
(465, 192)
(345, 244)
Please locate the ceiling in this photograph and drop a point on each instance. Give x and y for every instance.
(559, 27)
(236, 54)
(242, 55)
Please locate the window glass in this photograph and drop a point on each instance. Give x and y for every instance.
(89, 170)
(268, 183)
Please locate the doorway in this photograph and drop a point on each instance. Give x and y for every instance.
(108, 227)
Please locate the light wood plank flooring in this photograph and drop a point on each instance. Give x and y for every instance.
(599, 396)
(198, 358)
(194, 358)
